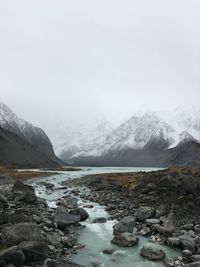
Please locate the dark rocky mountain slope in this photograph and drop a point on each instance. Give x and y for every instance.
(16, 152)
(33, 135)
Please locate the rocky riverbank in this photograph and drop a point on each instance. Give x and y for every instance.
(31, 233)
(163, 206)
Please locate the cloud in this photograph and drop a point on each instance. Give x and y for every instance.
(77, 60)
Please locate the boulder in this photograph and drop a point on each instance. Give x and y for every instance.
(34, 251)
(99, 220)
(125, 240)
(53, 239)
(187, 242)
(54, 263)
(82, 212)
(3, 202)
(186, 254)
(23, 192)
(161, 211)
(108, 251)
(125, 225)
(63, 218)
(150, 222)
(193, 264)
(166, 182)
(70, 202)
(195, 258)
(173, 242)
(189, 185)
(12, 255)
(144, 213)
(157, 228)
(152, 252)
(17, 233)
(169, 225)
(4, 217)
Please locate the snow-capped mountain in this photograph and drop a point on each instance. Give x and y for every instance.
(25, 130)
(156, 131)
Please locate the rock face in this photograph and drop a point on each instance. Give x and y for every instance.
(125, 240)
(151, 252)
(125, 225)
(24, 192)
(63, 218)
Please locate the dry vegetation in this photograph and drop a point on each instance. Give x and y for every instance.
(131, 180)
(24, 175)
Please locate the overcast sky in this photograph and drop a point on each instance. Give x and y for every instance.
(71, 60)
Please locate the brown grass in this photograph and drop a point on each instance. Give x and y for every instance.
(24, 175)
(131, 180)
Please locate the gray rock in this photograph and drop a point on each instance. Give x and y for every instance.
(63, 218)
(4, 217)
(186, 253)
(125, 240)
(53, 239)
(157, 228)
(82, 212)
(152, 252)
(187, 242)
(189, 185)
(150, 222)
(24, 192)
(197, 229)
(173, 242)
(3, 202)
(161, 211)
(169, 225)
(99, 220)
(144, 231)
(125, 225)
(53, 263)
(166, 182)
(108, 251)
(34, 251)
(193, 264)
(70, 202)
(12, 255)
(17, 233)
(195, 258)
(144, 213)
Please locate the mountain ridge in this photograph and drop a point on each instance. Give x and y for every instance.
(35, 136)
(135, 137)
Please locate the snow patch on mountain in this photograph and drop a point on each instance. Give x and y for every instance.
(168, 127)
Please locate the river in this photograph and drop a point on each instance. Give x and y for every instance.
(97, 237)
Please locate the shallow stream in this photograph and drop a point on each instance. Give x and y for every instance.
(97, 237)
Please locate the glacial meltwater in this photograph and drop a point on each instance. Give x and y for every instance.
(96, 237)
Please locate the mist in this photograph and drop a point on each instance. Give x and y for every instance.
(66, 62)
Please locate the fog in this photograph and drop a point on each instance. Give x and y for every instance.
(64, 61)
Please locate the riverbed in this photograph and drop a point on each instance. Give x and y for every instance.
(96, 237)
